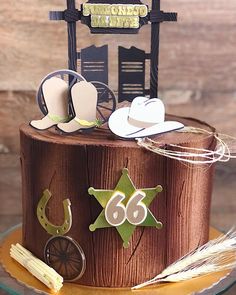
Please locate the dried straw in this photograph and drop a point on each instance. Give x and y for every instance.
(36, 267)
(222, 153)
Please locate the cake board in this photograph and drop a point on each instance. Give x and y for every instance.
(217, 283)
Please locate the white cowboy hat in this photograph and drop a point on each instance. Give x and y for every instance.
(145, 117)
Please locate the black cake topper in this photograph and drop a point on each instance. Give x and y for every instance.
(116, 17)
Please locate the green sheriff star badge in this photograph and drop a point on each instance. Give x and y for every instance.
(125, 207)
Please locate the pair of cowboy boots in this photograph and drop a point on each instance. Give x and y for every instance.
(84, 99)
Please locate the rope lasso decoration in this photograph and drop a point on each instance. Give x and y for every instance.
(222, 153)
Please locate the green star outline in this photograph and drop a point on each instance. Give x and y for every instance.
(126, 186)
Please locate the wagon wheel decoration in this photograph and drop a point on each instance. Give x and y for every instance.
(65, 256)
(106, 101)
(106, 97)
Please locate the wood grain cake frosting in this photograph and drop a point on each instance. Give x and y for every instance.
(69, 165)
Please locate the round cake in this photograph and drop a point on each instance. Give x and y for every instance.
(68, 166)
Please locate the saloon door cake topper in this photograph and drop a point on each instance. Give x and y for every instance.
(125, 207)
(107, 17)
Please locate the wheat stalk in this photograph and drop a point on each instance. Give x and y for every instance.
(214, 256)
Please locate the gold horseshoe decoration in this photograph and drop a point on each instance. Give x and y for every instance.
(52, 229)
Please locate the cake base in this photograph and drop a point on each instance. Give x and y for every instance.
(211, 284)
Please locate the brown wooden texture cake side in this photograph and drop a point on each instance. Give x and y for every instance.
(69, 165)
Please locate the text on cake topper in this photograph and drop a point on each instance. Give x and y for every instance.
(115, 15)
(135, 211)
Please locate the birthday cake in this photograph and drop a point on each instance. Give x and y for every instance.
(99, 207)
(116, 255)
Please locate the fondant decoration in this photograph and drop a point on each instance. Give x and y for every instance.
(125, 207)
(55, 93)
(106, 102)
(135, 211)
(46, 224)
(215, 256)
(84, 98)
(145, 117)
(37, 268)
(154, 17)
(66, 256)
(63, 254)
(67, 76)
(115, 211)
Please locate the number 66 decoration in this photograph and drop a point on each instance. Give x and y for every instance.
(125, 207)
(135, 211)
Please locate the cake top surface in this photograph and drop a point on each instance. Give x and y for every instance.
(103, 136)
